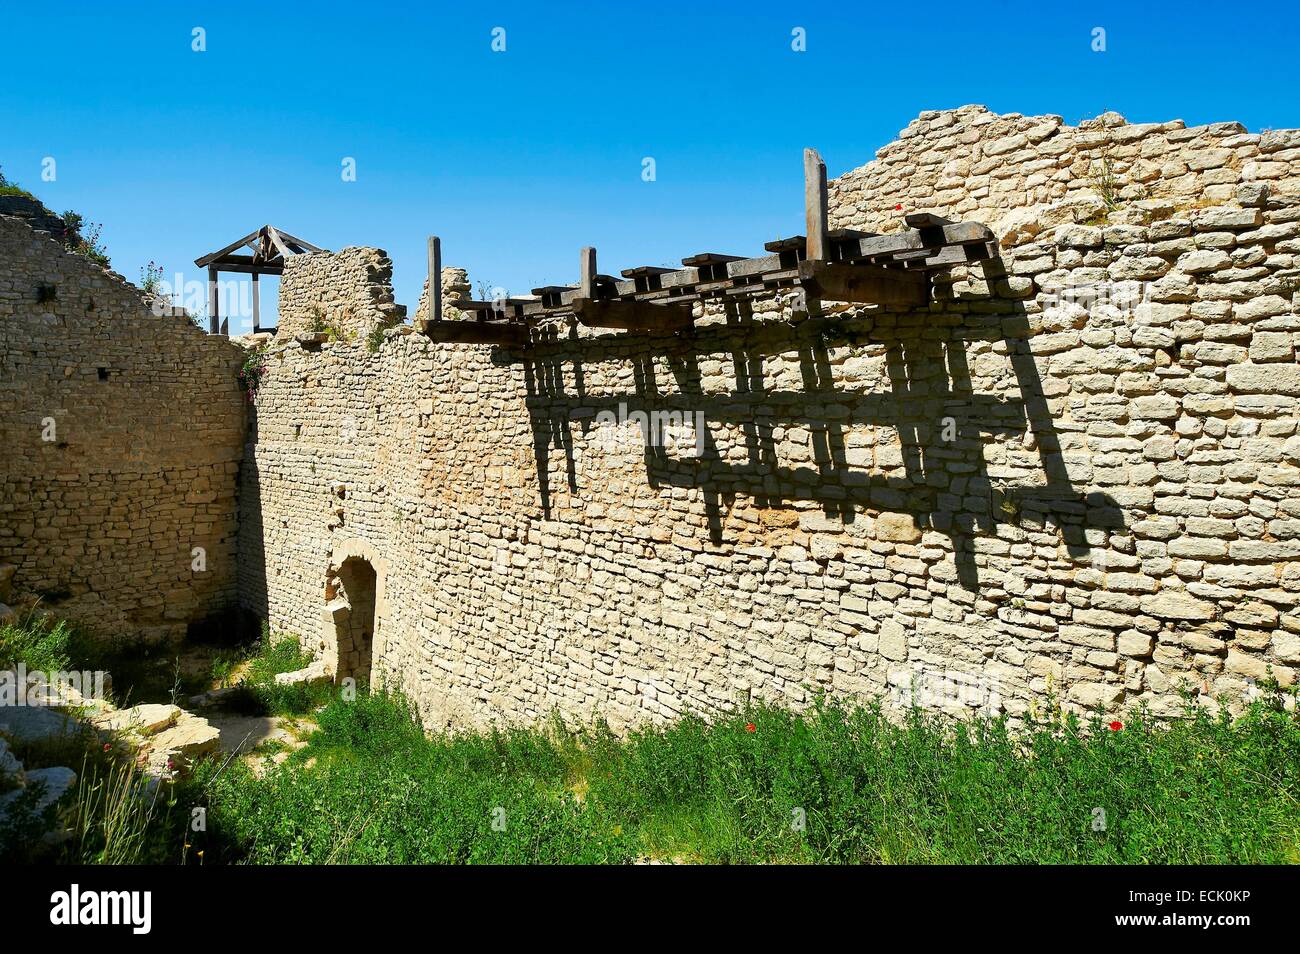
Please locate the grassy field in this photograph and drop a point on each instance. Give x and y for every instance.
(836, 784)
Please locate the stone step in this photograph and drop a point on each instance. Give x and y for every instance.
(147, 719)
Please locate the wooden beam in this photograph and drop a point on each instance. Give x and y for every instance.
(867, 284)
(280, 247)
(477, 332)
(587, 270)
(816, 208)
(962, 233)
(257, 305)
(925, 220)
(214, 322)
(299, 242)
(435, 278)
(210, 258)
(633, 315)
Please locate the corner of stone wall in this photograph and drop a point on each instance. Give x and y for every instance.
(455, 288)
(1022, 174)
(347, 294)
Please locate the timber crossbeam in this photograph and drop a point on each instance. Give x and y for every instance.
(825, 264)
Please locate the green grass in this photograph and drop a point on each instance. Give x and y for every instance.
(41, 644)
(258, 692)
(371, 788)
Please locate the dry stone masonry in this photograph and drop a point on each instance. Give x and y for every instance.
(1075, 473)
(121, 433)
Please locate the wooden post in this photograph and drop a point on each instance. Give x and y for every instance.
(214, 322)
(257, 308)
(435, 278)
(815, 204)
(587, 282)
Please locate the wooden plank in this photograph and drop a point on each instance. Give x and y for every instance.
(257, 305)
(963, 233)
(435, 278)
(633, 315)
(815, 198)
(278, 242)
(867, 284)
(212, 257)
(925, 220)
(944, 257)
(710, 258)
(795, 243)
(299, 242)
(477, 332)
(646, 270)
(754, 267)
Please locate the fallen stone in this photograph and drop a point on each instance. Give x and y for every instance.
(146, 719)
(175, 749)
(37, 724)
(317, 672)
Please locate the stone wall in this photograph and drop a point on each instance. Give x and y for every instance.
(121, 433)
(342, 293)
(1076, 473)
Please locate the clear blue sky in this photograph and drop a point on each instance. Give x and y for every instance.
(517, 159)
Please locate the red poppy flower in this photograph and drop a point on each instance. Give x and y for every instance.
(750, 727)
(898, 207)
(1116, 726)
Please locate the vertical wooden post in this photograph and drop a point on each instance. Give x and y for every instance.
(587, 283)
(815, 201)
(435, 278)
(214, 322)
(257, 307)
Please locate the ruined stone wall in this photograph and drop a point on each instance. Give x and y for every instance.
(342, 293)
(1077, 472)
(121, 433)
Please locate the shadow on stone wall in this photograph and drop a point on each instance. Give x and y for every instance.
(926, 363)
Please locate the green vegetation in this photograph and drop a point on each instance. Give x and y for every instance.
(258, 693)
(375, 338)
(82, 237)
(41, 643)
(151, 277)
(836, 784)
(252, 372)
(12, 188)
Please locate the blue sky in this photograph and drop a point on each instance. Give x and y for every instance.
(519, 158)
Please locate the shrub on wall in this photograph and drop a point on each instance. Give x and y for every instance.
(251, 374)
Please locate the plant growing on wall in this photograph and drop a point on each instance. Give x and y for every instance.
(251, 374)
(12, 188)
(375, 339)
(82, 237)
(151, 277)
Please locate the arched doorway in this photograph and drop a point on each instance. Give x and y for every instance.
(354, 622)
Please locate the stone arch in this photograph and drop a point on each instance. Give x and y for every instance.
(356, 608)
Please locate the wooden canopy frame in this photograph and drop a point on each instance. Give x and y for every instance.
(838, 264)
(270, 248)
